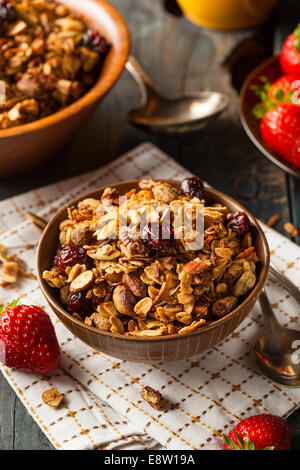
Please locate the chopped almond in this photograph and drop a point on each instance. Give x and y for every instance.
(52, 397)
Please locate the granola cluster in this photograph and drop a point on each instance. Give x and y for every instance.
(12, 268)
(52, 397)
(153, 397)
(48, 59)
(127, 280)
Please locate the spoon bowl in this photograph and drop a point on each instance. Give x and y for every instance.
(180, 114)
(277, 354)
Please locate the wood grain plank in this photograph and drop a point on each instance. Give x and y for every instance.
(18, 431)
(7, 419)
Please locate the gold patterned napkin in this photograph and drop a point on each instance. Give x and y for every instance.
(102, 408)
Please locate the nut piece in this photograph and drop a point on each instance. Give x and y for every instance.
(200, 310)
(163, 192)
(52, 397)
(88, 203)
(147, 184)
(153, 397)
(81, 235)
(290, 229)
(143, 307)
(244, 284)
(123, 300)
(224, 306)
(109, 195)
(105, 253)
(82, 282)
(197, 266)
(64, 294)
(116, 325)
(100, 322)
(273, 220)
(12, 268)
(134, 283)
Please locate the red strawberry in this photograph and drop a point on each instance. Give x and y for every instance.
(27, 339)
(260, 432)
(280, 129)
(286, 89)
(283, 88)
(290, 53)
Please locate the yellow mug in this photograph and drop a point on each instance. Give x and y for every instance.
(227, 14)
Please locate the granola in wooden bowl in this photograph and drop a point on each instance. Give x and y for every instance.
(49, 58)
(35, 129)
(155, 261)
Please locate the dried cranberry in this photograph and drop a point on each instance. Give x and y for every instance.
(70, 255)
(78, 303)
(94, 41)
(7, 11)
(192, 186)
(239, 223)
(158, 238)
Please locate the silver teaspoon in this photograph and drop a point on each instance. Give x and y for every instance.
(277, 353)
(162, 115)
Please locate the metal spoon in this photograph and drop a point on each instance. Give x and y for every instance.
(184, 113)
(285, 282)
(277, 354)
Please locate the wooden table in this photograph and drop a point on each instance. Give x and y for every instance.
(179, 57)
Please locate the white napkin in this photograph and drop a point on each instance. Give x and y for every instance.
(102, 408)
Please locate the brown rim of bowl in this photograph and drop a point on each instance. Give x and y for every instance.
(99, 90)
(56, 304)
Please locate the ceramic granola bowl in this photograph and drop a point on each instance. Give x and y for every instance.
(25, 146)
(161, 348)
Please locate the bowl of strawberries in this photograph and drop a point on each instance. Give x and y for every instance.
(270, 106)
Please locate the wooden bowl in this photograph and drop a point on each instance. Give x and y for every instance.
(26, 146)
(163, 348)
(270, 69)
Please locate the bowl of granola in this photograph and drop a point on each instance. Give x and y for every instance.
(152, 270)
(58, 59)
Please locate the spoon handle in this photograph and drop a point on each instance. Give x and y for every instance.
(144, 82)
(285, 282)
(271, 323)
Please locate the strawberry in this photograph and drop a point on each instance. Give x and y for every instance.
(283, 88)
(280, 129)
(290, 53)
(286, 89)
(27, 339)
(259, 432)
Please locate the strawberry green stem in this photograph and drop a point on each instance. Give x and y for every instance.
(297, 38)
(12, 304)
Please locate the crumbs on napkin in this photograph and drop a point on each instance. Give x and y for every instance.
(290, 229)
(273, 220)
(153, 397)
(52, 397)
(12, 268)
